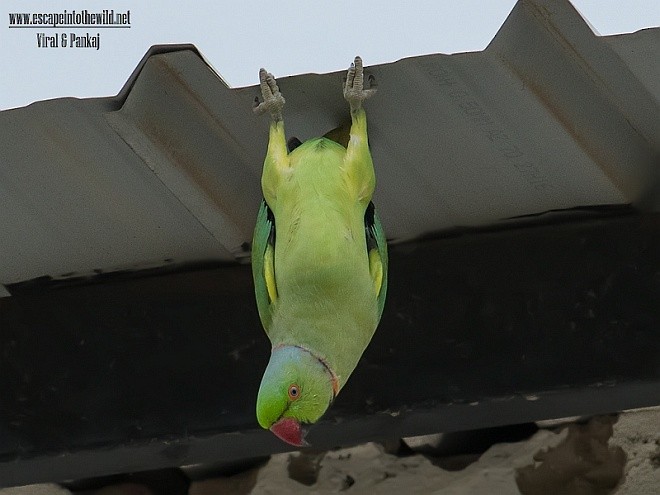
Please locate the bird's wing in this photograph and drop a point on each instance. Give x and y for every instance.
(263, 264)
(377, 249)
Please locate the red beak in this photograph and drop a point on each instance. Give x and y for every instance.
(290, 431)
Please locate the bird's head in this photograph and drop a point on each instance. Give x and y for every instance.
(296, 389)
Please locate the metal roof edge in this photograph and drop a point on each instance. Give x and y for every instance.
(560, 21)
(579, 77)
(120, 98)
(536, 128)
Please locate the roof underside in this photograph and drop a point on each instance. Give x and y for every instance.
(549, 117)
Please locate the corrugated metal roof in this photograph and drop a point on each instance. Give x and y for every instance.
(548, 117)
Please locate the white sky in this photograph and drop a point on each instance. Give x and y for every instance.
(285, 36)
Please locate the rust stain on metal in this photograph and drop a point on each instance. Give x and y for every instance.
(177, 151)
(194, 98)
(542, 12)
(60, 137)
(569, 124)
(187, 159)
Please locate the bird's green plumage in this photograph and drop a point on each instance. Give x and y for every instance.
(263, 230)
(326, 299)
(293, 365)
(319, 260)
(375, 231)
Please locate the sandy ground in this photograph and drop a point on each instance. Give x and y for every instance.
(604, 456)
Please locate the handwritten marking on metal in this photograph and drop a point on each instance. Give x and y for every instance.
(529, 171)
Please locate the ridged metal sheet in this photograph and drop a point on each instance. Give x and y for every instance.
(549, 117)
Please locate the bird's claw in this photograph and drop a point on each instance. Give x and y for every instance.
(273, 99)
(354, 92)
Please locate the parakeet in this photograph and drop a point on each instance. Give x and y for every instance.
(319, 263)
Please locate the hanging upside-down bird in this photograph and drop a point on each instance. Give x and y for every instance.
(319, 263)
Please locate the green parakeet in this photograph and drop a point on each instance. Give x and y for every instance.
(319, 263)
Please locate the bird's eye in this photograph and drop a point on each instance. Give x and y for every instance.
(294, 391)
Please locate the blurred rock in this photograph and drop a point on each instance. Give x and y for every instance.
(305, 467)
(368, 469)
(638, 432)
(583, 464)
(238, 484)
(48, 489)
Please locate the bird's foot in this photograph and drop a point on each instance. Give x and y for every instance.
(354, 92)
(273, 99)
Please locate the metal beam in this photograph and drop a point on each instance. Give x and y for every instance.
(481, 328)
